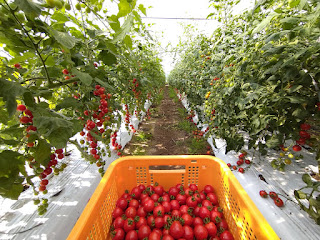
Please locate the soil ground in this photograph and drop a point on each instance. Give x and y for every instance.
(167, 131)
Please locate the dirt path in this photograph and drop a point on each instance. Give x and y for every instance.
(164, 133)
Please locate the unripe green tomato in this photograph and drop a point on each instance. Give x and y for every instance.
(67, 6)
(36, 201)
(13, 6)
(88, 10)
(58, 4)
(101, 170)
(82, 141)
(51, 3)
(78, 6)
(96, 9)
(45, 191)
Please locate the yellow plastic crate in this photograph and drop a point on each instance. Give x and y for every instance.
(244, 219)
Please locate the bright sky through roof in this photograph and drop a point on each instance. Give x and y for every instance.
(168, 30)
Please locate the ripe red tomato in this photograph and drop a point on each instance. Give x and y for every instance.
(226, 235)
(167, 237)
(197, 221)
(216, 216)
(154, 235)
(263, 194)
(204, 212)
(118, 234)
(134, 203)
(166, 206)
(140, 221)
(65, 71)
(304, 134)
(144, 231)
(132, 235)
(159, 222)
(21, 108)
(131, 212)
(148, 205)
(181, 199)
(305, 126)
(296, 148)
(150, 221)
(278, 202)
(175, 213)
(301, 141)
(223, 225)
(173, 191)
(117, 212)
(122, 203)
(158, 211)
(44, 182)
(200, 232)
(25, 119)
(191, 202)
(176, 230)
(174, 205)
(193, 187)
(118, 222)
(212, 198)
(273, 195)
(155, 197)
(17, 65)
(211, 228)
(136, 192)
(129, 224)
(159, 190)
(188, 220)
(241, 170)
(206, 203)
(187, 232)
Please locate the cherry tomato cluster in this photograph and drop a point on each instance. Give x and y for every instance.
(304, 136)
(179, 213)
(242, 159)
(114, 143)
(135, 86)
(96, 123)
(274, 196)
(197, 134)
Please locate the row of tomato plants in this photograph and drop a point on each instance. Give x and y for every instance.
(255, 83)
(68, 68)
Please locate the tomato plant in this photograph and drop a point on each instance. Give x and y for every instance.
(255, 82)
(67, 70)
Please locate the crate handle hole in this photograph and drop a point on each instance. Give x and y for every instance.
(194, 161)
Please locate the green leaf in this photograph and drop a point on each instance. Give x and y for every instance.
(114, 22)
(28, 99)
(290, 20)
(106, 85)
(124, 8)
(22, 58)
(142, 9)
(29, 7)
(273, 142)
(9, 91)
(107, 57)
(60, 17)
(264, 23)
(10, 163)
(300, 113)
(56, 130)
(128, 41)
(294, 88)
(69, 103)
(43, 152)
(9, 142)
(65, 39)
(299, 194)
(124, 30)
(295, 99)
(11, 187)
(307, 179)
(84, 77)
